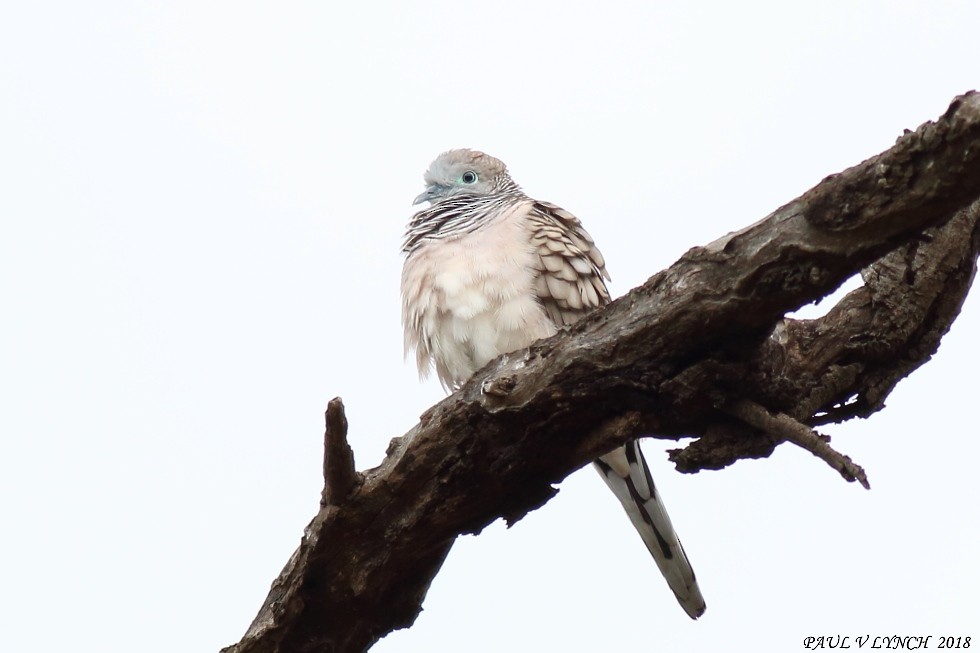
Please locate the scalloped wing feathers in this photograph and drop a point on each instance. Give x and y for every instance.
(571, 272)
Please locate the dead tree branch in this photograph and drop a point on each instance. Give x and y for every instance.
(670, 358)
(339, 475)
(783, 426)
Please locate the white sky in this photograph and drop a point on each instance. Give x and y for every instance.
(201, 210)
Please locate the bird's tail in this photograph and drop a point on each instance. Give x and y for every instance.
(626, 473)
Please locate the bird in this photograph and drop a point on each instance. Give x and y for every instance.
(488, 270)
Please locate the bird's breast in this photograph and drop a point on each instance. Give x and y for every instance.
(470, 298)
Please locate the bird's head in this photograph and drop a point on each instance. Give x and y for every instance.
(464, 172)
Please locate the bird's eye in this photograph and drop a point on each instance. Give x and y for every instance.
(469, 177)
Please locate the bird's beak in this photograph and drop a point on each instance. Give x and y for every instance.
(431, 192)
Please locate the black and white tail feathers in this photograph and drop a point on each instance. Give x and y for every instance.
(626, 473)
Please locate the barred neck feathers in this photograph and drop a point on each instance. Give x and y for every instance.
(465, 189)
(459, 215)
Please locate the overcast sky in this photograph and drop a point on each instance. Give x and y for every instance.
(201, 209)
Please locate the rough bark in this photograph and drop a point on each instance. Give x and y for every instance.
(701, 349)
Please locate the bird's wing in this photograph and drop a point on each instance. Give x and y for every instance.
(569, 284)
(571, 271)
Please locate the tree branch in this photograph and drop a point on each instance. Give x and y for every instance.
(785, 427)
(671, 357)
(339, 476)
